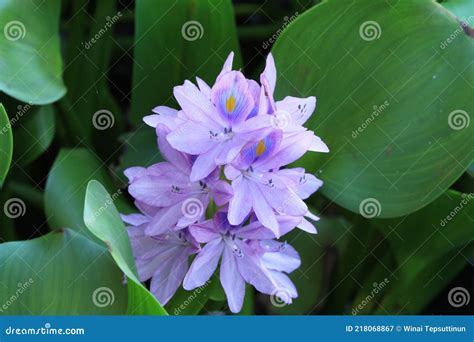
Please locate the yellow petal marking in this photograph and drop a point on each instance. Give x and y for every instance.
(230, 104)
(260, 148)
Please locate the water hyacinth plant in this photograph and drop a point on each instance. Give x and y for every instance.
(250, 157)
(228, 145)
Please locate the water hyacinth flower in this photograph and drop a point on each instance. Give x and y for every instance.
(249, 255)
(161, 258)
(224, 191)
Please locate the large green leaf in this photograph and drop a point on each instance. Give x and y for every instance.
(89, 110)
(177, 40)
(103, 220)
(394, 99)
(6, 144)
(430, 246)
(34, 134)
(30, 59)
(61, 273)
(66, 188)
(463, 9)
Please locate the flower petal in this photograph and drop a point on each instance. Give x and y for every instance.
(204, 265)
(298, 109)
(232, 281)
(232, 98)
(241, 203)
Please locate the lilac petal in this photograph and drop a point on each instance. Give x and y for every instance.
(254, 129)
(287, 223)
(204, 87)
(134, 219)
(232, 97)
(270, 72)
(164, 220)
(254, 231)
(285, 258)
(227, 66)
(192, 138)
(299, 110)
(232, 281)
(318, 145)
(204, 165)
(307, 226)
(132, 172)
(241, 203)
(254, 272)
(309, 184)
(169, 276)
(254, 89)
(165, 115)
(231, 172)
(204, 265)
(255, 152)
(156, 191)
(221, 192)
(194, 210)
(283, 200)
(263, 210)
(285, 289)
(197, 106)
(148, 210)
(205, 231)
(181, 160)
(291, 149)
(150, 255)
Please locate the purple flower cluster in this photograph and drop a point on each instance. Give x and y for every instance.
(222, 194)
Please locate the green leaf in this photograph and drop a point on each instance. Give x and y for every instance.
(61, 273)
(30, 59)
(178, 40)
(430, 246)
(6, 144)
(103, 220)
(89, 103)
(34, 135)
(66, 189)
(393, 99)
(463, 9)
